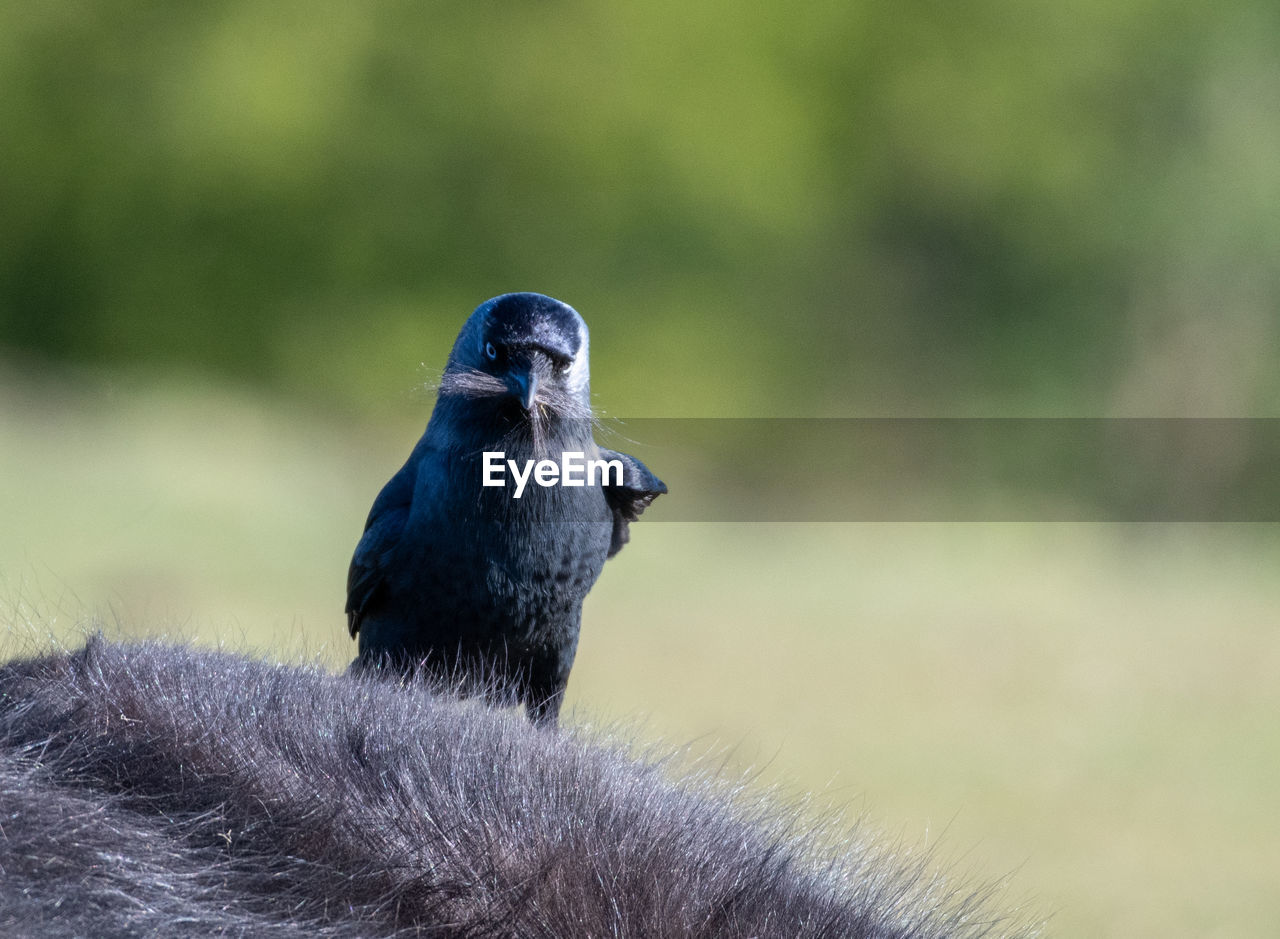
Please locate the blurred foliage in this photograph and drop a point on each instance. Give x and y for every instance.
(835, 208)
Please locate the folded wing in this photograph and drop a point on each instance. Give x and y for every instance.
(382, 533)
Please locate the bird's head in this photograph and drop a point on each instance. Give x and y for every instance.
(526, 355)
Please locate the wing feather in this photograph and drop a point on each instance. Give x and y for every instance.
(639, 488)
(382, 533)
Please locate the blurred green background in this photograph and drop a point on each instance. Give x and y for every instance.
(237, 238)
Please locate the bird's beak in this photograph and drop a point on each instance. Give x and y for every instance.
(524, 385)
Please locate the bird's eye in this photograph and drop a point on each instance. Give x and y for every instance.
(562, 366)
(491, 351)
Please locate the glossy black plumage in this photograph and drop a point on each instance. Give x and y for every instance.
(464, 580)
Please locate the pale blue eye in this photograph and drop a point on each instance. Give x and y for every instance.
(491, 351)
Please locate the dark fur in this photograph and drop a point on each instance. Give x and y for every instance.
(152, 789)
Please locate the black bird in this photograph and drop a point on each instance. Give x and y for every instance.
(464, 579)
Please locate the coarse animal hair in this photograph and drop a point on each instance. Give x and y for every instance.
(553, 404)
(156, 789)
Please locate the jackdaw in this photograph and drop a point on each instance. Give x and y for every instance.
(482, 585)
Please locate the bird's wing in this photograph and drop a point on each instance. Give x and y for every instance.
(639, 488)
(382, 532)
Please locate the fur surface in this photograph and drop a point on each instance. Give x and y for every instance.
(155, 789)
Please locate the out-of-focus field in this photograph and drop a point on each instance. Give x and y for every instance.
(1092, 709)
